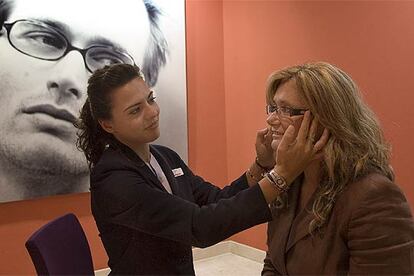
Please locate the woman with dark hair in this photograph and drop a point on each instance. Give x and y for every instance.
(148, 205)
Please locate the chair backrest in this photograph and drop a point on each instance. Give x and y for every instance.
(60, 247)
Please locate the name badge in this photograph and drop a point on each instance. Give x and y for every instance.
(177, 172)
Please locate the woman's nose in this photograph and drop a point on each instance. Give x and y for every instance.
(273, 119)
(153, 110)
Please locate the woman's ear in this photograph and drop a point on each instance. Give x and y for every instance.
(106, 125)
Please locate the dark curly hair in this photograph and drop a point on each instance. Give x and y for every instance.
(92, 138)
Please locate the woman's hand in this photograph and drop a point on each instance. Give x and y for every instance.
(294, 154)
(264, 152)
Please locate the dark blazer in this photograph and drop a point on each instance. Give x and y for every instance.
(146, 231)
(370, 231)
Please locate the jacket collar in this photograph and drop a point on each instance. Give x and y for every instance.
(288, 228)
(279, 229)
(143, 169)
(300, 224)
(166, 168)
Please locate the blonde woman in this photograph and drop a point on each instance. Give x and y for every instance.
(344, 214)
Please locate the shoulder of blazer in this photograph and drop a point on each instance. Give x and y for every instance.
(115, 159)
(371, 187)
(111, 159)
(369, 184)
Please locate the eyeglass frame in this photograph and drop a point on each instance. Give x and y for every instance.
(69, 47)
(284, 111)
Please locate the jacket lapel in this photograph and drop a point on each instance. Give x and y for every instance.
(166, 168)
(281, 228)
(300, 225)
(140, 165)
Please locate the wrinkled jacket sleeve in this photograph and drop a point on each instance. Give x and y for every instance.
(381, 233)
(124, 198)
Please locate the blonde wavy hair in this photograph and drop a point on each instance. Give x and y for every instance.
(356, 145)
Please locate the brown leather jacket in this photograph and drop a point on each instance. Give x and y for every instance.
(370, 231)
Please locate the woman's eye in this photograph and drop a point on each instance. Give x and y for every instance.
(134, 111)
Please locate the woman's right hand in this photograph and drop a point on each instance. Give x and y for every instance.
(294, 154)
(264, 152)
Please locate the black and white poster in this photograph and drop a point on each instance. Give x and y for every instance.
(47, 52)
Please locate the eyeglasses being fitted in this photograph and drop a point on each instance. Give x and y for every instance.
(284, 111)
(40, 40)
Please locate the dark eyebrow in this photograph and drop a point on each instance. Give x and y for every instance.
(133, 105)
(95, 40)
(285, 104)
(282, 103)
(138, 103)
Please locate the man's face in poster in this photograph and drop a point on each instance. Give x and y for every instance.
(40, 98)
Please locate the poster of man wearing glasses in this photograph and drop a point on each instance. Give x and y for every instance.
(48, 49)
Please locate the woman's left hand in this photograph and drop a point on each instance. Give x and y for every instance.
(294, 154)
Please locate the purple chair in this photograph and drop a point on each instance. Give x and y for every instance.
(60, 247)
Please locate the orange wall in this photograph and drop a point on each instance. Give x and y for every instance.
(371, 40)
(232, 46)
(207, 144)
(205, 86)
